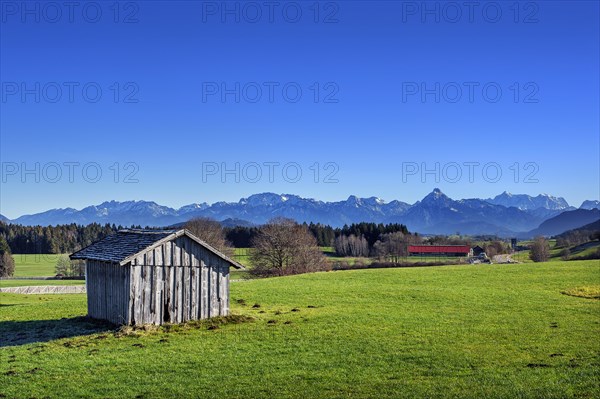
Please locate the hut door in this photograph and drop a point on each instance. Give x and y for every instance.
(165, 304)
(167, 295)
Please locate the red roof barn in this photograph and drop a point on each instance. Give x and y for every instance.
(447, 250)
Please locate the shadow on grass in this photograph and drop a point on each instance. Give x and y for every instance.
(15, 333)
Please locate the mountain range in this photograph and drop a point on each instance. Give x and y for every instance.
(590, 204)
(504, 215)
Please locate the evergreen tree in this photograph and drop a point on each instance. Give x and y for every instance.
(7, 263)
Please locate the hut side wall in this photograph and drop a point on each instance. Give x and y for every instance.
(176, 282)
(107, 291)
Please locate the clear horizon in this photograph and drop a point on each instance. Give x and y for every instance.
(190, 102)
(387, 200)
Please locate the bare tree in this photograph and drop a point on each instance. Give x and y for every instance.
(351, 246)
(397, 245)
(340, 244)
(493, 248)
(284, 247)
(565, 254)
(540, 250)
(380, 250)
(393, 246)
(211, 232)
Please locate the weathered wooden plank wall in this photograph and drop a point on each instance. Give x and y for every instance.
(107, 291)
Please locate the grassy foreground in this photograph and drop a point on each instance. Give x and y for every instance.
(493, 331)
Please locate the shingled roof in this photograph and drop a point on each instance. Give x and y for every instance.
(125, 245)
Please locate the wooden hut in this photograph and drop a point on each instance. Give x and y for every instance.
(139, 277)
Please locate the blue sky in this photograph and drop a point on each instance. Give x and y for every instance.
(387, 90)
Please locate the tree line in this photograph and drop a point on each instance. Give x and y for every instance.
(57, 239)
(577, 237)
(242, 236)
(69, 238)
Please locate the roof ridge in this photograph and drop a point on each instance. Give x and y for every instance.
(149, 231)
(126, 244)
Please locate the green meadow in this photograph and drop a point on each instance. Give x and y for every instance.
(469, 331)
(35, 265)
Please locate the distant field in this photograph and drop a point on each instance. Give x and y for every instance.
(331, 257)
(235, 274)
(582, 250)
(328, 250)
(469, 331)
(522, 256)
(242, 255)
(349, 260)
(585, 250)
(35, 265)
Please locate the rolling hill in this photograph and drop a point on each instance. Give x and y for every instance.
(566, 221)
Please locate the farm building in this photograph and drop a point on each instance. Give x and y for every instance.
(477, 250)
(440, 250)
(139, 277)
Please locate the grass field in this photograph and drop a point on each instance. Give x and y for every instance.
(585, 250)
(242, 255)
(493, 331)
(35, 265)
(331, 257)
